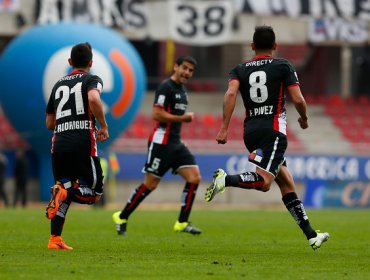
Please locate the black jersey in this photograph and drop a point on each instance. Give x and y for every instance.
(263, 81)
(75, 124)
(173, 98)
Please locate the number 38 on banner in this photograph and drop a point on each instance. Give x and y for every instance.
(201, 22)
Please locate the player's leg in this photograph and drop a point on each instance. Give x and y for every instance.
(58, 191)
(264, 145)
(295, 207)
(155, 167)
(258, 180)
(2, 192)
(24, 193)
(59, 203)
(56, 228)
(192, 177)
(120, 218)
(87, 186)
(78, 177)
(265, 164)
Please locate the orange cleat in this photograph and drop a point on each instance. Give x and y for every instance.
(58, 195)
(56, 242)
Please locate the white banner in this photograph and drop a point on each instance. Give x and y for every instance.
(338, 29)
(200, 22)
(128, 15)
(359, 9)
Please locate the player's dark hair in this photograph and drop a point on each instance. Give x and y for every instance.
(186, 58)
(264, 38)
(81, 55)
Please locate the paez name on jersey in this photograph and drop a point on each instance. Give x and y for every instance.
(71, 125)
(263, 110)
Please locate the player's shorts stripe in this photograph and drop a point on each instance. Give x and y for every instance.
(95, 177)
(273, 153)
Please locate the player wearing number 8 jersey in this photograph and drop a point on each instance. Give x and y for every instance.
(72, 111)
(263, 83)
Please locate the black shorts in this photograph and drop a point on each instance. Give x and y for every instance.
(267, 148)
(73, 166)
(162, 157)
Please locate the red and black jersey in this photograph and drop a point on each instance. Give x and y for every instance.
(173, 98)
(74, 122)
(263, 81)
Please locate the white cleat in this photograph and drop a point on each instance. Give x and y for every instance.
(317, 241)
(217, 186)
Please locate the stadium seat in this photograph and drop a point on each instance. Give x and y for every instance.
(363, 100)
(336, 100)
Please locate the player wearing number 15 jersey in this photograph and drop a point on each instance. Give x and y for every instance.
(263, 83)
(72, 111)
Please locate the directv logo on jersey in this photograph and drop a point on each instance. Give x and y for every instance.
(259, 62)
(73, 125)
(71, 77)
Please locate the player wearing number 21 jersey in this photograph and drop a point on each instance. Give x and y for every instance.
(75, 124)
(73, 111)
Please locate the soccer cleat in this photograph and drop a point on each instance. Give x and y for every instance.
(317, 241)
(186, 227)
(56, 242)
(218, 184)
(121, 224)
(58, 195)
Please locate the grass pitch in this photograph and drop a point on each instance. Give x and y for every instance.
(243, 244)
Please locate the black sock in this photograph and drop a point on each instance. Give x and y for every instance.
(56, 223)
(296, 209)
(137, 196)
(246, 180)
(187, 199)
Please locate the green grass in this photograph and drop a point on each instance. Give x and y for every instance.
(243, 244)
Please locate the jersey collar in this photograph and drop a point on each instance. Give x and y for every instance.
(261, 56)
(77, 71)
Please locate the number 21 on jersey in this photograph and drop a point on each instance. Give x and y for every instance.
(65, 92)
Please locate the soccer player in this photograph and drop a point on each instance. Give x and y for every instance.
(3, 166)
(165, 149)
(20, 178)
(263, 82)
(72, 111)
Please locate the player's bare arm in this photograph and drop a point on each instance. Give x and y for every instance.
(50, 121)
(300, 105)
(228, 109)
(97, 110)
(160, 115)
